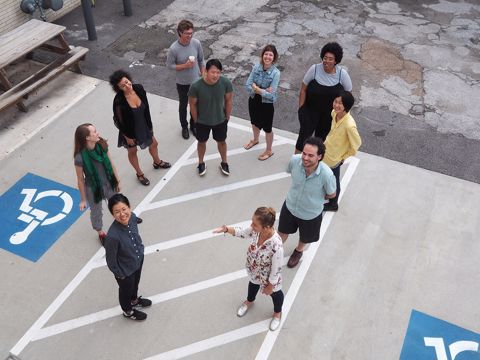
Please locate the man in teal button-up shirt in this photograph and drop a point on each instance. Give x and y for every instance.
(312, 183)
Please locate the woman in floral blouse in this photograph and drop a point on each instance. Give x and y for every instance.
(264, 261)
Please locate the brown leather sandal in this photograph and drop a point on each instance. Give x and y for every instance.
(162, 165)
(143, 180)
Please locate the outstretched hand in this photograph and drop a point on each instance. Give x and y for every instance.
(221, 229)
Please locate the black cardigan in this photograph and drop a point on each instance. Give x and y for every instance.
(123, 114)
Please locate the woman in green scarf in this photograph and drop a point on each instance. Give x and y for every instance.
(96, 175)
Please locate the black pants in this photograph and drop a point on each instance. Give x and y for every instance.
(128, 289)
(336, 172)
(277, 296)
(182, 105)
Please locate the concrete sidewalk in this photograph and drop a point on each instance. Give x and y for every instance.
(404, 238)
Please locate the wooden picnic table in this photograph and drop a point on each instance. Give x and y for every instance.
(20, 42)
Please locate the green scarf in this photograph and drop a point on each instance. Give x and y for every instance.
(100, 155)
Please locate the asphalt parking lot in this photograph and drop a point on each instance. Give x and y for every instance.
(393, 273)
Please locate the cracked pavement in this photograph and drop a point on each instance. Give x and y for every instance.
(414, 67)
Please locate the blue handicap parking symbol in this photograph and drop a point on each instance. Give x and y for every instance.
(35, 212)
(429, 338)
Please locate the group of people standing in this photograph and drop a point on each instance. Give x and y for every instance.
(328, 135)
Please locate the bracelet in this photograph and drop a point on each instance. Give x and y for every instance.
(226, 229)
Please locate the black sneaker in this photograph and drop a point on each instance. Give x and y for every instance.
(142, 303)
(202, 169)
(185, 133)
(224, 168)
(330, 207)
(135, 315)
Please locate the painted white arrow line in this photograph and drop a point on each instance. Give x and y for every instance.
(216, 190)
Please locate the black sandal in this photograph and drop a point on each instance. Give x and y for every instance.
(162, 165)
(143, 180)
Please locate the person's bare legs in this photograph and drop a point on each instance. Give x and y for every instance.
(201, 149)
(268, 151)
(153, 150)
(133, 158)
(222, 149)
(256, 136)
(269, 141)
(301, 246)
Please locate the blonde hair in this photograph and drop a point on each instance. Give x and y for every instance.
(266, 216)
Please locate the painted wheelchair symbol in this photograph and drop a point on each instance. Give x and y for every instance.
(35, 217)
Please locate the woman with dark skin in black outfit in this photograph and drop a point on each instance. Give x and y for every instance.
(320, 86)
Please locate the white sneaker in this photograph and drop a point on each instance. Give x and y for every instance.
(275, 323)
(242, 310)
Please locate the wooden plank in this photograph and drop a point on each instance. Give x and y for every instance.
(43, 76)
(25, 38)
(62, 49)
(6, 84)
(53, 48)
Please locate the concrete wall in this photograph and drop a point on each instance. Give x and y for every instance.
(11, 16)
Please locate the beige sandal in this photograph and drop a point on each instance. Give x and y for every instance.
(250, 144)
(265, 156)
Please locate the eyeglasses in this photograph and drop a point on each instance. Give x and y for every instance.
(188, 33)
(328, 58)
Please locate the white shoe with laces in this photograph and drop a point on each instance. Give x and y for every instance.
(242, 310)
(275, 323)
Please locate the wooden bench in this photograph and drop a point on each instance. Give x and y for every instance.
(21, 42)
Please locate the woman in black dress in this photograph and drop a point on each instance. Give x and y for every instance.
(321, 85)
(131, 114)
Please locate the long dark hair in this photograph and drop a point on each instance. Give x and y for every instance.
(80, 142)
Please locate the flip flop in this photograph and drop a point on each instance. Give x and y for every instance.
(265, 156)
(250, 144)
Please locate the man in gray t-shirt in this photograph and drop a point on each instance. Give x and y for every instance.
(185, 56)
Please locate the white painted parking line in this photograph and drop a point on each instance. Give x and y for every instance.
(216, 190)
(167, 177)
(170, 244)
(262, 326)
(226, 338)
(89, 319)
(271, 336)
(236, 151)
(54, 306)
(37, 331)
(70, 288)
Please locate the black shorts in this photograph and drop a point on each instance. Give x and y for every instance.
(219, 131)
(261, 114)
(309, 229)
